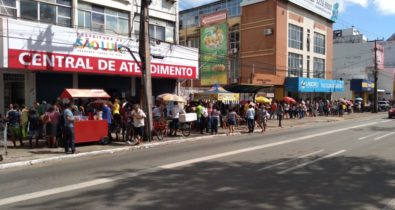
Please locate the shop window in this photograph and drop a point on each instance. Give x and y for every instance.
(54, 12)
(295, 37)
(102, 19)
(295, 65)
(8, 8)
(14, 89)
(319, 43)
(319, 68)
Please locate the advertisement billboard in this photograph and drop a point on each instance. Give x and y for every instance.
(379, 57)
(35, 46)
(328, 9)
(213, 54)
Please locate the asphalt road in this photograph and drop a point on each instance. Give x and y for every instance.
(343, 165)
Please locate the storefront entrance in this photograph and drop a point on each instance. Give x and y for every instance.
(14, 89)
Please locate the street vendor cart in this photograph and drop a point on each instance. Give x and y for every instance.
(88, 130)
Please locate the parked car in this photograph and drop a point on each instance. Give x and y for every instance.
(384, 105)
(391, 112)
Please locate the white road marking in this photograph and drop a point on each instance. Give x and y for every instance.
(58, 190)
(310, 162)
(373, 134)
(282, 163)
(386, 135)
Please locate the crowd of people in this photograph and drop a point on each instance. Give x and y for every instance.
(126, 121)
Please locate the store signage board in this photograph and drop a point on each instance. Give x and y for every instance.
(313, 85)
(214, 18)
(328, 9)
(35, 46)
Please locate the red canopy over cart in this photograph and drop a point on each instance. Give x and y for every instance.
(88, 130)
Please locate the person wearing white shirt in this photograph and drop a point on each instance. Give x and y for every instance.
(138, 116)
(175, 115)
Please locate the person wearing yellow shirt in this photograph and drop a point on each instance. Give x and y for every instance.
(116, 113)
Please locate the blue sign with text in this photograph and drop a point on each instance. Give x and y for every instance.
(312, 85)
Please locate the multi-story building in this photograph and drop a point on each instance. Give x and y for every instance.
(354, 63)
(190, 35)
(49, 45)
(282, 44)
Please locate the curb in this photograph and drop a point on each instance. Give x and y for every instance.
(103, 152)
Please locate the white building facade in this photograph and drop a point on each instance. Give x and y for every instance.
(50, 45)
(354, 62)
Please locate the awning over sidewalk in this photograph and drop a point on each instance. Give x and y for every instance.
(245, 88)
(84, 93)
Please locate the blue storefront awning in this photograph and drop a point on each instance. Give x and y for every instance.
(312, 85)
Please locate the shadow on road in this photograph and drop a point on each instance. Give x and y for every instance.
(335, 183)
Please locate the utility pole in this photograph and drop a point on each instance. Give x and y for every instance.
(145, 57)
(375, 100)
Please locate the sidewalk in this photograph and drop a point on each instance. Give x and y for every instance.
(43, 154)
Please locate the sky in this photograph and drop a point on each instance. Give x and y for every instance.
(374, 18)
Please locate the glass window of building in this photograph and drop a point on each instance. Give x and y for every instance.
(158, 29)
(295, 65)
(234, 40)
(157, 32)
(319, 43)
(102, 19)
(191, 17)
(319, 68)
(8, 8)
(54, 12)
(295, 37)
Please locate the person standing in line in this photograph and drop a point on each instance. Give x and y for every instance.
(138, 116)
(52, 118)
(200, 118)
(262, 117)
(25, 120)
(157, 112)
(69, 129)
(175, 115)
(204, 120)
(106, 115)
(14, 120)
(34, 126)
(231, 120)
(273, 110)
(250, 116)
(215, 116)
(280, 113)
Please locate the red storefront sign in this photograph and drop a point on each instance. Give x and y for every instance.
(58, 62)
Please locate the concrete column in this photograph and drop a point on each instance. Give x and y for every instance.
(2, 93)
(74, 14)
(75, 80)
(30, 88)
(133, 87)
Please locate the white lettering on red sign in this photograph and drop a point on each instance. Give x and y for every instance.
(19, 59)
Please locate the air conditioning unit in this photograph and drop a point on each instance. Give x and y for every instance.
(234, 50)
(268, 31)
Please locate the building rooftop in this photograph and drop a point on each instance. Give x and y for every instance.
(392, 38)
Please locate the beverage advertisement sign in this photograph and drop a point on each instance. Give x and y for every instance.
(213, 54)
